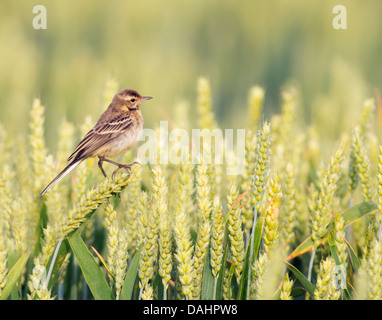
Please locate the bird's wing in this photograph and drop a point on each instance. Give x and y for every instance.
(103, 132)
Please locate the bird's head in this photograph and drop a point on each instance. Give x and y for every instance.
(130, 98)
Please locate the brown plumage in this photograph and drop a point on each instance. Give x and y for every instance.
(116, 131)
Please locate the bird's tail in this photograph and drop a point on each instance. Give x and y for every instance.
(62, 174)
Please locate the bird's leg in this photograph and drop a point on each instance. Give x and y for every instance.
(119, 165)
(127, 167)
(101, 159)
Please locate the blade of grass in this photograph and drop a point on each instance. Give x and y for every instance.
(334, 252)
(245, 273)
(298, 292)
(257, 237)
(358, 211)
(232, 283)
(38, 234)
(13, 257)
(255, 240)
(219, 284)
(353, 257)
(350, 215)
(131, 275)
(309, 287)
(41, 225)
(103, 261)
(158, 286)
(62, 253)
(302, 248)
(208, 279)
(13, 276)
(90, 269)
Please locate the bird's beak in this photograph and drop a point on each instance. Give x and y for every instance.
(146, 98)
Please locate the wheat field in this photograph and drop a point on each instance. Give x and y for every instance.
(295, 224)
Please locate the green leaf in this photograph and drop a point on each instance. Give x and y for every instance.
(304, 247)
(333, 250)
(257, 237)
(244, 276)
(61, 255)
(110, 274)
(309, 287)
(131, 275)
(350, 215)
(208, 279)
(41, 225)
(13, 276)
(221, 274)
(90, 269)
(158, 286)
(14, 256)
(232, 283)
(297, 292)
(353, 257)
(358, 211)
(254, 243)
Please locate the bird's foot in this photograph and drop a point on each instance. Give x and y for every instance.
(127, 167)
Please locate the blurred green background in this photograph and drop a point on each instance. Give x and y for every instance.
(160, 48)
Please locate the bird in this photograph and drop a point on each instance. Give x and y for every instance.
(117, 131)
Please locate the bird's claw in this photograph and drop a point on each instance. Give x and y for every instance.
(127, 167)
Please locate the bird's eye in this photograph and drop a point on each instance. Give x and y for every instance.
(132, 100)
